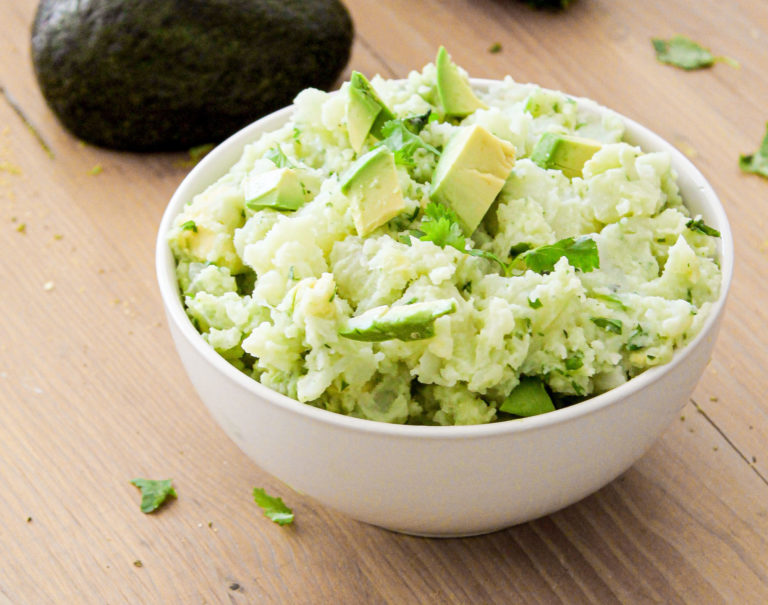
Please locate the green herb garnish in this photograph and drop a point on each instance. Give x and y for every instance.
(757, 163)
(189, 226)
(274, 508)
(698, 225)
(581, 253)
(154, 493)
(683, 52)
(535, 304)
(612, 325)
(441, 227)
(403, 142)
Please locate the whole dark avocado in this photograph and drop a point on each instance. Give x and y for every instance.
(151, 75)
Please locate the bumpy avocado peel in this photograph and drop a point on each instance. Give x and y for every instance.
(147, 75)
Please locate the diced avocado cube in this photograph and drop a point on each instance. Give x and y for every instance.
(373, 186)
(529, 398)
(566, 153)
(453, 88)
(471, 172)
(279, 189)
(366, 112)
(403, 322)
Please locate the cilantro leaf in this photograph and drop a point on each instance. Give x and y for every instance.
(490, 256)
(274, 508)
(154, 492)
(698, 225)
(403, 142)
(189, 226)
(612, 325)
(581, 253)
(683, 52)
(757, 163)
(441, 227)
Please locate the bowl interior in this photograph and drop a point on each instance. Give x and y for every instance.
(699, 198)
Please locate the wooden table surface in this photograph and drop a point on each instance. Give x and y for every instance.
(92, 393)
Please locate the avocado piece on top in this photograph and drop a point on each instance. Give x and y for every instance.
(279, 189)
(366, 112)
(567, 153)
(529, 398)
(453, 89)
(403, 322)
(373, 186)
(470, 173)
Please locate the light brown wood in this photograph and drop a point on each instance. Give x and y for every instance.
(92, 393)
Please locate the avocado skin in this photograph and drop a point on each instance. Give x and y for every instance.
(153, 75)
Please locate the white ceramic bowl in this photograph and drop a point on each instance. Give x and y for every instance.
(433, 480)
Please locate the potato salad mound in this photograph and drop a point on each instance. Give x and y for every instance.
(423, 251)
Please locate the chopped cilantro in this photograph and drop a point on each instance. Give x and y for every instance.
(581, 253)
(403, 142)
(683, 52)
(495, 48)
(757, 163)
(698, 225)
(154, 493)
(441, 227)
(535, 304)
(274, 508)
(189, 226)
(489, 256)
(612, 325)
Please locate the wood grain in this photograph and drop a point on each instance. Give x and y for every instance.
(92, 394)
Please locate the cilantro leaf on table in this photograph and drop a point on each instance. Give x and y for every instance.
(757, 163)
(581, 253)
(441, 227)
(154, 492)
(684, 53)
(403, 142)
(274, 508)
(701, 227)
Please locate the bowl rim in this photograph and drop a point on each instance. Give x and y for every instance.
(217, 162)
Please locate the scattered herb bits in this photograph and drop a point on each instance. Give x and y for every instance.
(154, 493)
(757, 163)
(274, 508)
(684, 53)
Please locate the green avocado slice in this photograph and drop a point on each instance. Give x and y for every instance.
(453, 88)
(279, 189)
(366, 112)
(403, 322)
(529, 398)
(566, 153)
